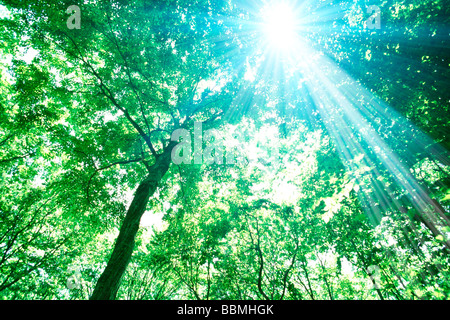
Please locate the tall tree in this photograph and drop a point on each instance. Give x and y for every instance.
(147, 65)
(340, 185)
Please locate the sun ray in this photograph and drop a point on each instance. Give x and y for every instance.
(354, 127)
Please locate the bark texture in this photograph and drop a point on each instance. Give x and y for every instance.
(109, 282)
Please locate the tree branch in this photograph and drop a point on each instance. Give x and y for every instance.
(127, 68)
(9, 136)
(15, 158)
(108, 94)
(97, 170)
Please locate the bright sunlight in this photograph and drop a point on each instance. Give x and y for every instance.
(279, 25)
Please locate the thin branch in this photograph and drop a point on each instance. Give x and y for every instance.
(108, 94)
(97, 170)
(325, 278)
(15, 158)
(187, 284)
(288, 270)
(130, 79)
(203, 105)
(260, 258)
(145, 162)
(9, 136)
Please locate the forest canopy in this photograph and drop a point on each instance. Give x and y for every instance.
(225, 150)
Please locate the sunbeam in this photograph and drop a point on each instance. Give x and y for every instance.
(279, 24)
(366, 131)
(225, 150)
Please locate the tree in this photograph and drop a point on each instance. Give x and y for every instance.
(331, 175)
(152, 64)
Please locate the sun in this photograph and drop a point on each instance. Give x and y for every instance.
(280, 26)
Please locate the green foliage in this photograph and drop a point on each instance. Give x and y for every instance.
(83, 121)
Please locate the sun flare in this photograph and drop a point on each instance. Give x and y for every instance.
(279, 26)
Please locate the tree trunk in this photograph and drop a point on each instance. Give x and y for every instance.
(109, 282)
